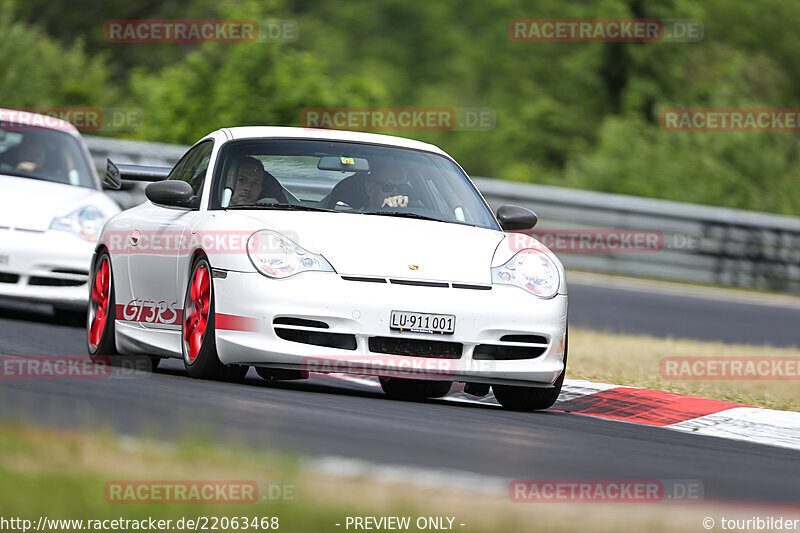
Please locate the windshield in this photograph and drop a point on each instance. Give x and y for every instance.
(347, 178)
(43, 154)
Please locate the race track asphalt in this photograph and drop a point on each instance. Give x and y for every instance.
(331, 417)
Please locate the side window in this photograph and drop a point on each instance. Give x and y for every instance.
(192, 166)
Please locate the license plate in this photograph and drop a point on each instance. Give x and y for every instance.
(422, 322)
(3, 259)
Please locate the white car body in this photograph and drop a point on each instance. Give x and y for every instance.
(457, 257)
(39, 263)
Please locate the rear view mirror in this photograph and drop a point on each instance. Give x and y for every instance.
(514, 217)
(343, 164)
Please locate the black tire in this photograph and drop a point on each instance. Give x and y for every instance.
(530, 398)
(414, 389)
(106, 345)
(206, 363)
(280, 374)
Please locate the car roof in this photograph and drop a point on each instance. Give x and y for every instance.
(27, 118)
(258, 132)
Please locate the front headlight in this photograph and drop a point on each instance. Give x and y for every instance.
(278, 257)
(531, 270)
(85, 222)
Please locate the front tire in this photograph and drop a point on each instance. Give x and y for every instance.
(101, 313)
(516, 398)
(414, 389)
(197, 333)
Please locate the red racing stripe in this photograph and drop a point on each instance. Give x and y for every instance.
(235, 322)
(644, 406)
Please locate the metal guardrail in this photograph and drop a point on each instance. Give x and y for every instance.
(701, 244)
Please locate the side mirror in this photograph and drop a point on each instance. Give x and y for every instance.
(514, 217)
(173, 193)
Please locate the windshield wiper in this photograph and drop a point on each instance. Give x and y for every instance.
(284, 207)
(404, 215)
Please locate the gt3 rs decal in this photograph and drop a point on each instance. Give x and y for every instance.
(160, 312)
(150, 311)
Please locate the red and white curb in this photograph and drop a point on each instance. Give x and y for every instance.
(678, 412)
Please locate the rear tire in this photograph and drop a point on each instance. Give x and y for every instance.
(516, 398)
(101, 312)
(414, 389)
(197, 331)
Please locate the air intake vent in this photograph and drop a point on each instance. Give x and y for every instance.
(416, 347)
(302, 322)
(532, 339)
(341, 341)
(8, 278)
(43, 281)
(494, 352)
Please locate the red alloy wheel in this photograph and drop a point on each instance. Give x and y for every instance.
(196, 314)
(101, 295)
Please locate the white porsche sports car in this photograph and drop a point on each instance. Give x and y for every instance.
(296, 250)
(52, 210)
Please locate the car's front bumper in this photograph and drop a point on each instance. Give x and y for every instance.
(45, 266)
(247, 303)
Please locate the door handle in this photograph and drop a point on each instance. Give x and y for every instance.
(135, 237)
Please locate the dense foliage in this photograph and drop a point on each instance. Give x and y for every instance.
(573, 114)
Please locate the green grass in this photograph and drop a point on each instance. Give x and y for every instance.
(634, 360)
(61, 475)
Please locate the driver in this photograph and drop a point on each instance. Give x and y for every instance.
(31, 156)
(248, 182)
(386, 186)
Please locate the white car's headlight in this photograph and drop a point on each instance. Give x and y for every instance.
(277, 256)
(85, 222)
(531, 270)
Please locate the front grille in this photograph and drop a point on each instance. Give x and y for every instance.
(363, 279)
(343, 341)
(495, 352)
(8, 278)
(416, 347)
(419, 283)
(471, 286)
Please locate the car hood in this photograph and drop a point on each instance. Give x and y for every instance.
(370, 245)
(31, 204)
